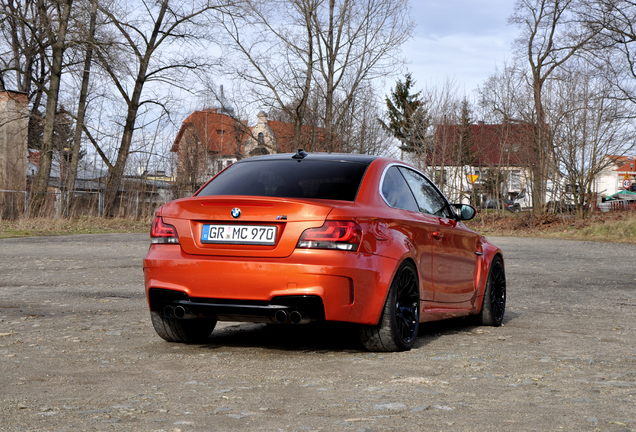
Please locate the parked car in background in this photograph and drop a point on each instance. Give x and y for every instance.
(505, 204)
(292, 238)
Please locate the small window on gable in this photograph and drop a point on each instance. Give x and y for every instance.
(261, 139)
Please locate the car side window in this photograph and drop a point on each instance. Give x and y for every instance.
(396, 192)
(429, 200)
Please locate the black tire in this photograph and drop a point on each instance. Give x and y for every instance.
(182, 330)
(493, 306)
(400, 318)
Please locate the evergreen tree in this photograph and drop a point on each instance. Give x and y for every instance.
(408, 118)
(465, 153)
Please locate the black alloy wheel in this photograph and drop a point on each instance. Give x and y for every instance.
(493, 307)
(407, 305)
(398, 326)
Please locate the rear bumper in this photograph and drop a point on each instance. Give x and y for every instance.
(352, 287)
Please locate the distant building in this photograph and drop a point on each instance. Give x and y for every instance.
(493, 149)
(610, 180)
(14, 126)
(207, 142)
(273, 136)
(212, 139)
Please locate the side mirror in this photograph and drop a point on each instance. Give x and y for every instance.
(464, 212)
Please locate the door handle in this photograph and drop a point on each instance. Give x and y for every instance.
(437, 235)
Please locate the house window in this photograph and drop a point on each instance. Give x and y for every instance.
(220, 131)
(440, 177)
(514, 181)
(261, 139)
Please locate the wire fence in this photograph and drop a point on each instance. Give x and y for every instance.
(137, 203)
(134, 204)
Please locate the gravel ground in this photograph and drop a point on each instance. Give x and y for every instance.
(78, 352)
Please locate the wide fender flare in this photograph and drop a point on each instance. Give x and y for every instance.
(490, 251)
(408, 255)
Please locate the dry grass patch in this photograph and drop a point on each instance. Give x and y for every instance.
(28, 227)
(616, 227)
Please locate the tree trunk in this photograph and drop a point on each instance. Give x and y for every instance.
(539, 167)
(81, 110)
(331, 58)
(116, 174)
(309, 11)
(57, 53)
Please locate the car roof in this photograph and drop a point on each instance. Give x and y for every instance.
(344, 157)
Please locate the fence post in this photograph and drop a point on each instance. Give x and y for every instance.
(58, 203)
(100, 204)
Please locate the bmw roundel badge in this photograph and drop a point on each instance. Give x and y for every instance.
(236, 212)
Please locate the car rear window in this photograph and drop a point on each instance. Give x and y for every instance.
(316, 179)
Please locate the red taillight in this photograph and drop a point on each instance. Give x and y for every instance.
(162, 232)
(332, 235)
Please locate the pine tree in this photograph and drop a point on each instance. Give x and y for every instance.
(408, 118)
(465, 154)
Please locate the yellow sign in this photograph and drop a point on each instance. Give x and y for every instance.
(472, 177)
(626, 176)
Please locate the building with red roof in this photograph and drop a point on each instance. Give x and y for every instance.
(273, 136)
(207, 141)
(610, 180)
(212, 139)
(462, 166)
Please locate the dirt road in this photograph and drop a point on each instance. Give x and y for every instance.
(78, 352)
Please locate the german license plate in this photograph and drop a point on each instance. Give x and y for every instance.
(239, 234)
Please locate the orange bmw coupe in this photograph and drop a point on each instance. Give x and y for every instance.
(293, 238)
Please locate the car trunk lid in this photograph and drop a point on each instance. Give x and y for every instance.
(193, 217)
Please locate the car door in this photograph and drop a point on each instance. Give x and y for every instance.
(412, 223)
(454, 246)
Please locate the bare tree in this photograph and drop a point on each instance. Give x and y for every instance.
(506, 100)
(506, 96)
(443, 103)
(55, 21)
(81, 106)
(23, 44)
(360, 131)
(591, 124)
(551, 33)
(140, 30)
(295, 48)
(356, 41)
(36, 33)
(274, 41)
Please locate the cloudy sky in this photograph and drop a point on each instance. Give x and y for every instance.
(460, 39)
